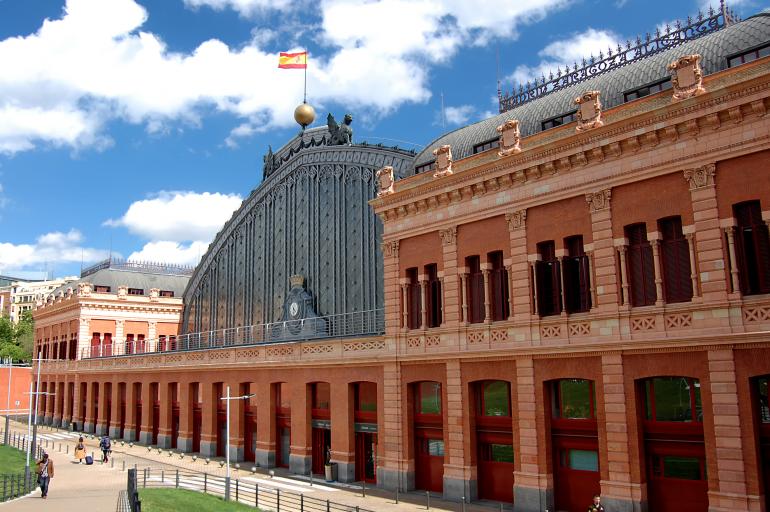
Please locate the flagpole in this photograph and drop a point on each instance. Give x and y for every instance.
(304, 95)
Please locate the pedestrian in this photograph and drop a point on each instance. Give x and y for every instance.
(596, 506)
(44, 474)
(80, 450)
(106, 446)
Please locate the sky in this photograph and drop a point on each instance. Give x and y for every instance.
(136, 127)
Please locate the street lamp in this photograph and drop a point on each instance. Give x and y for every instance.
(227, 398)
(30, 422)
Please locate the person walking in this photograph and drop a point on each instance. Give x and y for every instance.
(106, 446)
(596, 506)
(44, 474)
(80, 450)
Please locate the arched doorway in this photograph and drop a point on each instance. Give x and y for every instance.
(282, 424)
(494, 440)
(321, 424)
(365, 418)
(428, 437)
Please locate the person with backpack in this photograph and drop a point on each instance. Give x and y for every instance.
(106, 446)
(44, 474)
(80, 451)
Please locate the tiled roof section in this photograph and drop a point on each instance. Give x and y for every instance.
(713, 48)
(144, 281)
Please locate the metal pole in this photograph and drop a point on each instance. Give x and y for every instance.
(427, 496)
(8, 407)
(227, 449)
(29, 427)
(37, 393)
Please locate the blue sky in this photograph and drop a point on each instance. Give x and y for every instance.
(139, 125)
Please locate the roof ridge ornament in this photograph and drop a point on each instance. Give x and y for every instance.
(693, 28)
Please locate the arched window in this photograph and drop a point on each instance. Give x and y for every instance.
(673, 399)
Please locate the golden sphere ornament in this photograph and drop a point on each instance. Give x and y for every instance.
(304, 114)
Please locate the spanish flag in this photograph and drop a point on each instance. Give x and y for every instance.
(292, 60)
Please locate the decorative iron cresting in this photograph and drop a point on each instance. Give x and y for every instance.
(672, 36)
(139, 266)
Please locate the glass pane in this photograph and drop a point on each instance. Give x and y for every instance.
(430, 398)
(672, 399)
(367, 397)
(584, 460)
(436, 447)
(764, 408)
(496, 402)
(687, 468)
(575, 398)
(501, 452)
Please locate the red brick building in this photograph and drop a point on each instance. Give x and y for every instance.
(576, 300)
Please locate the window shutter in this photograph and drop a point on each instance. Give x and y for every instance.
(640, 266)
(675, 261)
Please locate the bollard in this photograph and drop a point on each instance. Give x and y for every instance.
(501, 507)
(67, 449)
(327, 505)
(278, 500)
(363, 488)
(124, 465)
(427, 496)
(463, 503)
(236, 490)
(162, 475)
(301, 503)
(256, 494)
(144, 480)
(396, 494)
(205, 482)
(177, 479)
(311, 478)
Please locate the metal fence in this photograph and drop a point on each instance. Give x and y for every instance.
(356, 323)
(15, 485)
(247, 491)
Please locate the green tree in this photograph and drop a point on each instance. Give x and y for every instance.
(16, 341)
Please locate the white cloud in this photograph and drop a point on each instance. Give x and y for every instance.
(456, 115)
(50, 248)
(567, 52)
(171, 252)
(178, 216)
(61, 85)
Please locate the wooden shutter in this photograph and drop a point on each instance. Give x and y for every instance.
(433, 299)
(576, 277)
(475, 290)
(498, 282)
(752, 248)
(675, 261)
(640, 266)
(414, 307)
(548, 280)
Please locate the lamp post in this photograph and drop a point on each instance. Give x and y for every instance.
(227, 398)
(36, 393)
(8, 403)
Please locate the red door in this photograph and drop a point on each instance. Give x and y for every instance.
(676, 476)
(122, 418)
(138, 415)
(155, 421)
(250, 436)
(322, 441)
(765, 461)
(174, 424)
(197, 424)
(576, 471)
(283, 441)
(366, 457)
(429, 459)
(495, 466)
(221, 432)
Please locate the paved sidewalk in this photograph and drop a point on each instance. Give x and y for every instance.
(53, 440)
(74, 487)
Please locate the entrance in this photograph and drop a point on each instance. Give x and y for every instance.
(675, 453)
(762, 405)
(322, 444)
(221, 432)
(494, 440)
(174, 424)
(250, 435)
(282, 424)
(575, 443)
(138, 416)
(197, 424)
(366, 457)
(155, 421)
(428, 438)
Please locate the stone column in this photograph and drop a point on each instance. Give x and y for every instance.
(605, 269)
(404, 305)
(237, 408)
(343, 450)
(266, 431)
(67, 413)
(301, 456)
(689, 233)
(485, 269)
(520, 291)
(184, 441)
(735, 282)
(459, 477)
(115, 414)
(390, 285)
(530, 488)
(152, 337)
(119, 341)
(452, 293)
(708, 236)
(730, 478)
(655, 242)
(209, 420)
(148, 402)
(617, 491)
(533, 258)
(393, 467)
(509, 284)
(625, 299)
(591, 279)
(88, 421)
(102, 424)
(77, 418)
(464, 295)
(165, 417)
(56, 399)
(423, 301)
(560, 254)
(130, 428)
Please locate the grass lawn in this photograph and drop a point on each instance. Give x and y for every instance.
(12, 460)
(173, 500)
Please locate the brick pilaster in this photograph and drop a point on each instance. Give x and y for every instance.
(184, 441)
(266, 428)
(67, 414)
(731, 477)
(165, 418)
(450, 284)
(392, 467)
(605, 269)
(530, 485)
(459, 479)
(115, 415)
(617, 490)
(520, 292)
(708, 234)
(88, 421)
(343, 449)
(102, 422)
(391, 287)
(148, 402)
(209, 420)
(301, 430)
(130, 428)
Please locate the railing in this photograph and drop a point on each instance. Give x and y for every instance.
(15, 485)
(138, 266)
(672, 35)
(247, 491)
(357, 323)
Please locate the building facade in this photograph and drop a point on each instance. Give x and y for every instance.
(576, 300)
(24, 295)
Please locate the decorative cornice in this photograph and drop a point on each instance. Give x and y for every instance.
(701, 177)
(598, 201)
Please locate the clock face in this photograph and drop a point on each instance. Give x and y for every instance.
(294, 309)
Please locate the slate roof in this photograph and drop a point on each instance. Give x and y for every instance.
(713, 48)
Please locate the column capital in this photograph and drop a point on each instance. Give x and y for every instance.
(448, 235)
(390, 248)
(700, 177)
(600, 200)
(516, 220)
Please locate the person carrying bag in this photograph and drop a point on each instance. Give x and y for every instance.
(44, 474)
(80, 450)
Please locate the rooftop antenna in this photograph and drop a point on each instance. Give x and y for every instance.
(497, 58)
(443, 117)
